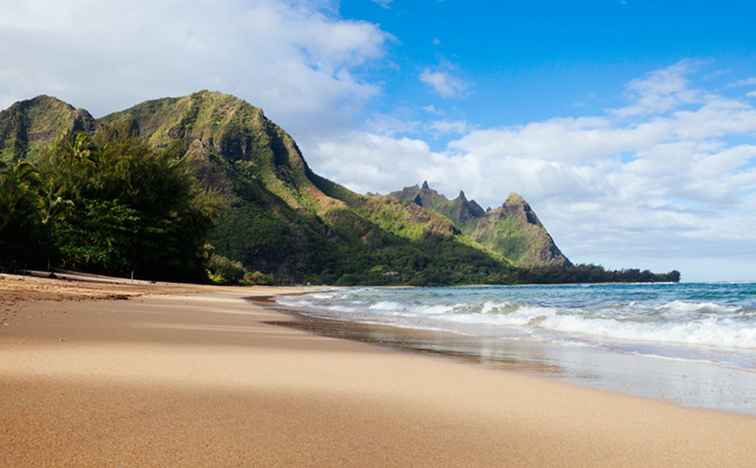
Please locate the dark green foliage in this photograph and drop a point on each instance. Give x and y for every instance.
(115, 207)
(21, 230)
(135, 209)
(594, 274)
(98, 235)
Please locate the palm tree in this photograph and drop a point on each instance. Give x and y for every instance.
(51, 205)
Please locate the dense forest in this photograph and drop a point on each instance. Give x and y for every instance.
(206, 188)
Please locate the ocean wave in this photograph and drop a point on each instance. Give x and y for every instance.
(677, 321)
(687, 307)
(712, 331)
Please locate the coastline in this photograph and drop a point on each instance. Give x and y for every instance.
(394, 337)
(185, 375)
(692, 381)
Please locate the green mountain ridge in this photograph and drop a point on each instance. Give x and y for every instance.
(513, 230)
(281, 218)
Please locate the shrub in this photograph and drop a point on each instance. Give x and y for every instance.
(257, 278)
(225, 271)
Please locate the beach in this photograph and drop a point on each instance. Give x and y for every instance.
(101, 374)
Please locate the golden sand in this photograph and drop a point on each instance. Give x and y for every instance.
(194, 376)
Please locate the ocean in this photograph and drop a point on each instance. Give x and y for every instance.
(690, 343)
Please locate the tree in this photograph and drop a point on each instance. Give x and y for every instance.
(51, 206)
(20, 221)
(121, 207)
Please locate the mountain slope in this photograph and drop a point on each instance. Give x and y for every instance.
(27, 126)
(512, 230)
(515, 231)
(282, 218)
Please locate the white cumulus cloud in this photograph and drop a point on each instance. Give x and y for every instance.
(443, 82)
(671, 176)
(296, 59)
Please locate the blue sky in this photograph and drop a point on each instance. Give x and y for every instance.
(525, 61)
(630, 126)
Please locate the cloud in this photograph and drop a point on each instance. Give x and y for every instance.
(386, 124)
(661, 90)
(443, 82)
(669, 175)
(383, 3)
(431, 109)
(297, 59)
(744, 82)
(450, 126)
(673, 179)
(366, 161)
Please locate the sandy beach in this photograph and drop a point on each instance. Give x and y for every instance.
(100, 374)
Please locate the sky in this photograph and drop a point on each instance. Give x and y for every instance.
(629, 126)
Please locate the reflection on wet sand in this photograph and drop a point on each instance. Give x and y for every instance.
(689, 383)
(486, 351)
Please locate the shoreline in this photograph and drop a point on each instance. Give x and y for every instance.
(394, 337)
(466, 348)
(718, 379)
(198, 376)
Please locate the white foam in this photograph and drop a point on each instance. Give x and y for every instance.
(386, 305)
(711, 331)
(683, 306)
(676, 322)
(323, 295)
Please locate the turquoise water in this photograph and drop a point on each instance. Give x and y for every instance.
(693, 343)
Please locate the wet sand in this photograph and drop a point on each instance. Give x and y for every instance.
(199, 376)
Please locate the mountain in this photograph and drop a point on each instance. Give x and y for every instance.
(459, 210)
(278, 217)
(27, 126)
(512, 230)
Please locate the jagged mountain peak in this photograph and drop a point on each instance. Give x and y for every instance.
(517, 206)
(513, 229)
(458, 210)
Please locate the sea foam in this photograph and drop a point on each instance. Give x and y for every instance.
(595, 314)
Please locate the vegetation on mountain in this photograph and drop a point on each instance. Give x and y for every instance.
(512, 230)
(205, 187)
(458, 210)
(28, 127)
